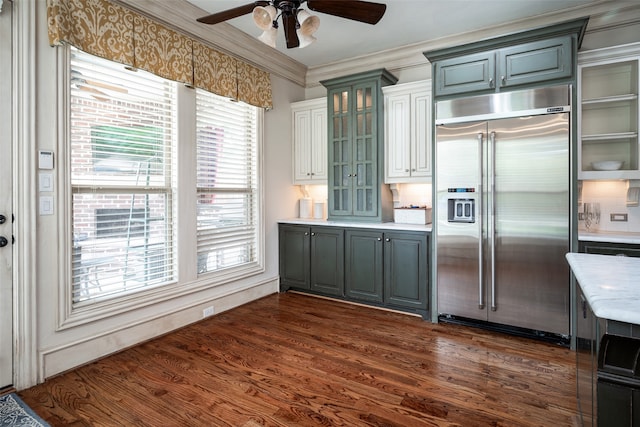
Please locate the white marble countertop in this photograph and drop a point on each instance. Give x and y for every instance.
(377, 225)
(609, 236)
(611, 285)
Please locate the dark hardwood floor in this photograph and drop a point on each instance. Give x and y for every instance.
(296, 360)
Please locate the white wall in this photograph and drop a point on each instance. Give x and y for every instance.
(62, 348)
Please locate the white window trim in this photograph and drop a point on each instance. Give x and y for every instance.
(70, 316)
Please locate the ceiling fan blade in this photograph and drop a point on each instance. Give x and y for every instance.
(289, 24)
(363, 11)
(231, 13)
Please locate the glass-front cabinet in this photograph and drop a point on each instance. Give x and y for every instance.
(356, 150)
(608, 120)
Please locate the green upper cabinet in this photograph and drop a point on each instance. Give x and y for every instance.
(544, 55)
(356, 147)
(535, 62)
(469, 73)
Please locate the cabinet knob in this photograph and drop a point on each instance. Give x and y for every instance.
(503, 79)
(308, 174)
(306, 233)
(387, 239)
(491, 85)
(379, 239)
(355, 174)
(406, 170)
(413, 170)
(313, 234)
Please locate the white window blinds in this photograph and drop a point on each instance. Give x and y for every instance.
(122, 176)
(227, 183)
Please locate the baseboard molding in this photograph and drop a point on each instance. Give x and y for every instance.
(57, 360)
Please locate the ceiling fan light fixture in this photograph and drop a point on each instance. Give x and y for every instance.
(268, 37)
(264, 16)
(298, 24)
(308, 24)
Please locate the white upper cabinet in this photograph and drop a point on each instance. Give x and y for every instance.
(608, 118)
(309, 120)
(407, 111)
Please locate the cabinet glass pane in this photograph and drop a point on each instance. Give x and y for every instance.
(346, 152)
(359, 100)
(336, 103)
(609, 80)
(345, 127)
(345, 176)
(345, 199)
(337, 130)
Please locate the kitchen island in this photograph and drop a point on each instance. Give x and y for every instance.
(607, 338)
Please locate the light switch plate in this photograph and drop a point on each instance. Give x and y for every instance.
(46, 205)
(45, 181)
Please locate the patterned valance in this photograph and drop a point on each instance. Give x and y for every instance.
(113, 32)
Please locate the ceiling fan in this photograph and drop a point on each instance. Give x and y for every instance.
(298, 24)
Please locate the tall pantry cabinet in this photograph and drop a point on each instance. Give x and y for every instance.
(356, 147)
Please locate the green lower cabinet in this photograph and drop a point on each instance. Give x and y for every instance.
(406, 270)
(387, 268)
(311, 258)
(294, 253)
(377, 267)
(363, 265)
(327, 260)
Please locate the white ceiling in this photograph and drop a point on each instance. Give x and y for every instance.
(405, 22)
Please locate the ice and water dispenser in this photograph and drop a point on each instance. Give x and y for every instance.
(461, 209)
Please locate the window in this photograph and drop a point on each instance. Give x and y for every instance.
(122, 133)
(227, 183)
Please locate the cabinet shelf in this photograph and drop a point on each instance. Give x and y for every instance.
(603, 138)
(597, 102)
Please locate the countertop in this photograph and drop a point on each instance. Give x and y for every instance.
(611, 285)
(393, 226)
(609, 236)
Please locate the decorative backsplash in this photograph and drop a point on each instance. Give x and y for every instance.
(611, 196)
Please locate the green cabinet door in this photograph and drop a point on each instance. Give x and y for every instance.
(327, 260)
(468, 73)
(539, 61)
(294, 251)
(363, 265)
(406, 270)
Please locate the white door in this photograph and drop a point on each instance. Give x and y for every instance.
(6, 305)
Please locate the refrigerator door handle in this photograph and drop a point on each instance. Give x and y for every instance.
(492, 220)
(479, 213)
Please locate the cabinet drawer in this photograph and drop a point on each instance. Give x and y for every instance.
(469, 73)
(533, 62)
(604, 248)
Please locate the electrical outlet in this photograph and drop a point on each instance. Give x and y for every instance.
(207, 312)
(622, 217)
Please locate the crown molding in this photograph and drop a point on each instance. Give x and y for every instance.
(411, 56)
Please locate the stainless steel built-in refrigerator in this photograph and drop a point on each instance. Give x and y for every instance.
(503, 205)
